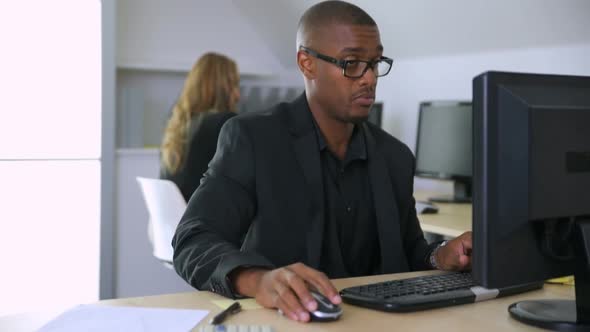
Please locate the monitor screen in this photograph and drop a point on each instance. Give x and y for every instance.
(376, 114)
(443, 145)
(531, 186)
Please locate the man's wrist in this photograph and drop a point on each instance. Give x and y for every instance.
(433, 255)
(245, 280)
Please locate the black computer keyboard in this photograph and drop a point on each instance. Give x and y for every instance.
(426, 292)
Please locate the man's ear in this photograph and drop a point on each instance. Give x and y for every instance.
(306, 65)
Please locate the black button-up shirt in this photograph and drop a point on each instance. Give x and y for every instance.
(351, 243)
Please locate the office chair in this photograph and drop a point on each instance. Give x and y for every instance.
(165, 206)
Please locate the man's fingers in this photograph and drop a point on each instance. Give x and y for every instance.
(459, 262)
(288, 295)
(285, 309)
(291, 301)
(464, 262)
(298, 285)
(450, 256)
(319, 281)
(455, 261)
(324, 286)
(467, 242)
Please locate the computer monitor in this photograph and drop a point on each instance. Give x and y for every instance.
(375, 114)
(531, 189)
(443, 146)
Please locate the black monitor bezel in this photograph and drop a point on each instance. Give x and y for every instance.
(509, 239)
(489, 267)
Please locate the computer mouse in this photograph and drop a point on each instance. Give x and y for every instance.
(425, 207)
(429, 209)
(326, 310)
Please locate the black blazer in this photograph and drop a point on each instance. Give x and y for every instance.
(200, 151)
(261, 203)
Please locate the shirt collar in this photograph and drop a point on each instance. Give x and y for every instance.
(357, 147)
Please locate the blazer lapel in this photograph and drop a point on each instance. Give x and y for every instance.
(307, 153)
(311, 167)
(386, 210)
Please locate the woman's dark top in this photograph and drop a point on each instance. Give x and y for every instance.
(200, 149)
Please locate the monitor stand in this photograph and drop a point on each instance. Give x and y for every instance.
(461, 194)
(563, 315)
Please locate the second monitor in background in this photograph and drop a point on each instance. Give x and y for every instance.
(443, 146)
(376, 114)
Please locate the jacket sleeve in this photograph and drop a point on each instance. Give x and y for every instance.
(208, 238)
(415, 245)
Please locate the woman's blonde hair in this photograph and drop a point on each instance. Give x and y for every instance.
(208, 87)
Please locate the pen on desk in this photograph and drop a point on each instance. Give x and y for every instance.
(220, 317)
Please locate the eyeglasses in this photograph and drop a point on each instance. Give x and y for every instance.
(355, 68)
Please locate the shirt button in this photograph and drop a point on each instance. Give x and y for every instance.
(348, 209)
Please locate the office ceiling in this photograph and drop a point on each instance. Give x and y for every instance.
(424, 28)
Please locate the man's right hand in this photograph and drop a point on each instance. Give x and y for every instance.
(285, 288)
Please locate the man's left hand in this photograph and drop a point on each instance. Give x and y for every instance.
(456, 254)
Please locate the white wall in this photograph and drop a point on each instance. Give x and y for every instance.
(144, 101)
(450, 77)
(432, 28)
(173, 34)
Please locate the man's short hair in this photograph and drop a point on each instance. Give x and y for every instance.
(330, 12)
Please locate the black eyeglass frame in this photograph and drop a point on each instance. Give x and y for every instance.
(343, 63)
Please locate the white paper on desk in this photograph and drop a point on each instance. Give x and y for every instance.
(129, 319)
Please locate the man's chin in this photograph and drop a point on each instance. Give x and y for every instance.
(358, 119)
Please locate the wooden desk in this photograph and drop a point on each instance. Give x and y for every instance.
(484, 316)
(451, 220)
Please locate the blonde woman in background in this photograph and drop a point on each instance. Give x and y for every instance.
(209, 98)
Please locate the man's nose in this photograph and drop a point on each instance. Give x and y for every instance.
(370, 75)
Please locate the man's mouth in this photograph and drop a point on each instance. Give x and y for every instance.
(365, 99)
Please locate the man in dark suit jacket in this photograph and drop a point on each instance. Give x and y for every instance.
(310, 186)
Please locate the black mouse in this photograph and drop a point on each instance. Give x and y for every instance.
(425, 207)
(326, 310)
(428, 210)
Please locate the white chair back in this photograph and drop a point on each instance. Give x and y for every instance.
(165, 206)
